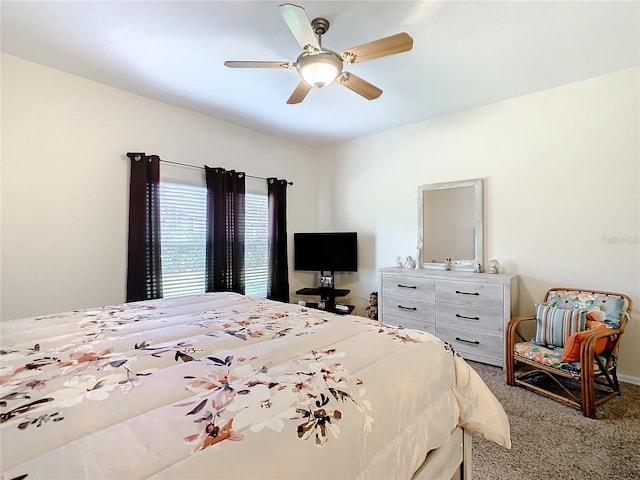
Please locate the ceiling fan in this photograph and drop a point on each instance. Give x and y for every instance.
(320, 67)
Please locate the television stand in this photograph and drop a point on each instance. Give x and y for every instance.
(328, 296)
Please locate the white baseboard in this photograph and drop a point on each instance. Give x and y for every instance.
(629, 379)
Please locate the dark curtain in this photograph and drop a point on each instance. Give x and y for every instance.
(225, 230)
(144, 272)
(278, 288)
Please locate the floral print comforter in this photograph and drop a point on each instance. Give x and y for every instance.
(222, 385)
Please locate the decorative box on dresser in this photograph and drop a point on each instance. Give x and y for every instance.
(468, 310)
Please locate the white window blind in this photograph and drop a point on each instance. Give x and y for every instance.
(256, 250)
(183, 238)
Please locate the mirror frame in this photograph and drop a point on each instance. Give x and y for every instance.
(478, 207)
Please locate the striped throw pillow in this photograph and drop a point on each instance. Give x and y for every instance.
(555, 325)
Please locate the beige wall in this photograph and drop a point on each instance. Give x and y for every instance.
(561, 170)
(562, 195)
(65, 181)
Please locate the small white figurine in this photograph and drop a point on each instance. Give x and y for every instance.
(399, 262)
(494, 266)
(409, 262)
(418, 256)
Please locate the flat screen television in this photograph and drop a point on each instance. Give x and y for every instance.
(326, 252)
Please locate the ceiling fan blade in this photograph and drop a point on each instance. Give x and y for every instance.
(299, 93)
(300, 25)
(258, 64)
(400, 42)
(360, 86)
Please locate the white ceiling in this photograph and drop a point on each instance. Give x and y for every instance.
(466, 54)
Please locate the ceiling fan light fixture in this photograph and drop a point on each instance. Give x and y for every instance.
(319, 69)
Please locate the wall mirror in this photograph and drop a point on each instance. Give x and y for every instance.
(450, 224)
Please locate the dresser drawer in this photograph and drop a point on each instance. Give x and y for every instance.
(423, 288)
(406, 307)
(490, 320)
(470, 293)
(472, 341)
(396, 321)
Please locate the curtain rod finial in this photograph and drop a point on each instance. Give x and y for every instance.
(137, 156)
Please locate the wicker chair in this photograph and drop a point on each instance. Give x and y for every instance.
(589, 379)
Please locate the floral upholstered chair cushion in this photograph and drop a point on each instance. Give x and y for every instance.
(548, 355)
(599, 308)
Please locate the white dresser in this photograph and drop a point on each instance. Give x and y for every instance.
(468, 310)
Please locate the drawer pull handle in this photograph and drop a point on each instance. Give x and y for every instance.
(468, 318)
(467, 293)
(407, 308)
(407, 286)
(473, 342)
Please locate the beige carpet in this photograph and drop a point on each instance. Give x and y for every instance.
(553, 441)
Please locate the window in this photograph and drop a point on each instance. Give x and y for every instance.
(183, 237)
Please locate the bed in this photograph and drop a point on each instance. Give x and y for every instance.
(222, 385)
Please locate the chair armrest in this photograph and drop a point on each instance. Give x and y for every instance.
(517, 320)
(587, 349)
(512, 328)
(512, 332)
(509, 343)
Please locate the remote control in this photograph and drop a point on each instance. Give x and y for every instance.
(342, 308)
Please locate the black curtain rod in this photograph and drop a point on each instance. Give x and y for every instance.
(141, 155)
(202, 168)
